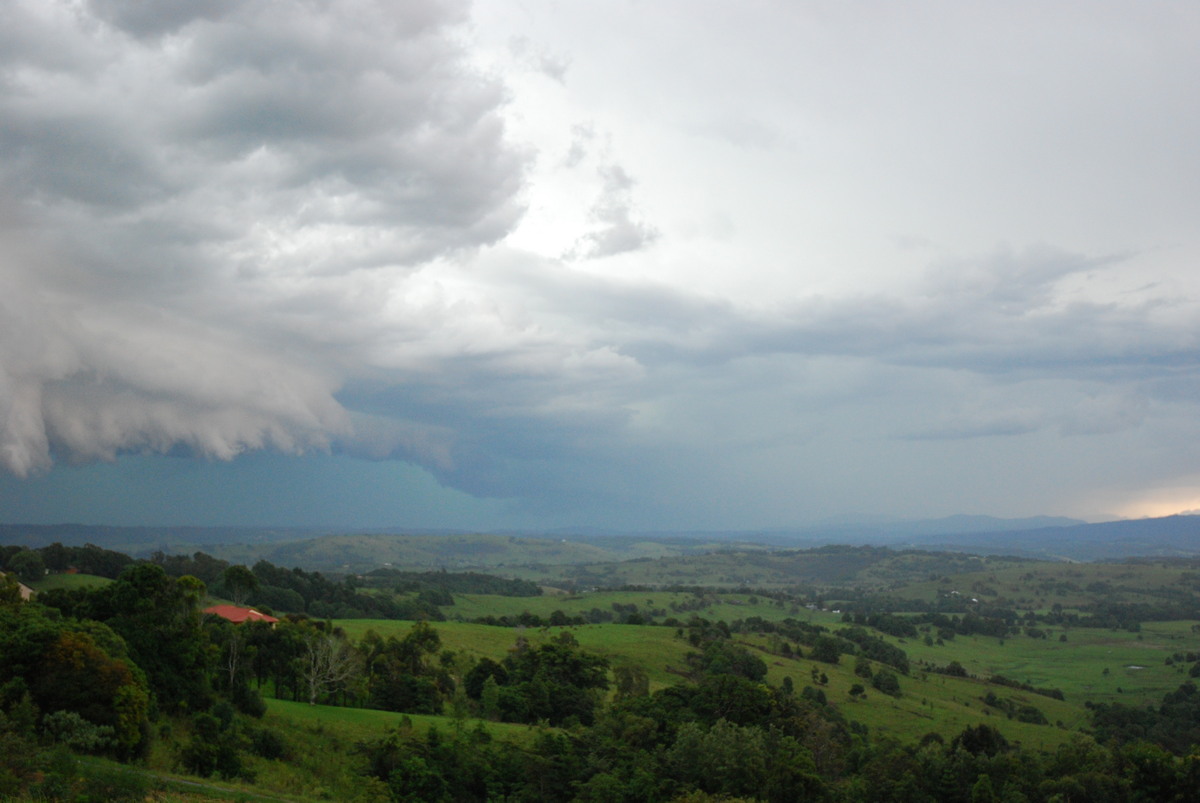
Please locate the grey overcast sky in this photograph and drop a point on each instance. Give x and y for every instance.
(625, 264)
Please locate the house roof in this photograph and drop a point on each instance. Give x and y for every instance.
(238, 615)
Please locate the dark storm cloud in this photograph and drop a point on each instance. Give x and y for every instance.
(155, 19)
(237, 226)
(187, 194)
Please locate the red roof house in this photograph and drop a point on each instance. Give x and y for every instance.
(238, 615)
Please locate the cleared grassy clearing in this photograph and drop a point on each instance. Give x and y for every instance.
(68, 581)
(1077, 666)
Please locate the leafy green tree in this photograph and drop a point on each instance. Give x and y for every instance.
(400, 674)
(722, 656)
(64, 665)
(158, 617)
(554, 682)
(741, 761)
(77, 675)
(479, 674)
(631, 681)
(826, 649)
(886, 682)
(239, 582)
(27, 565)
(215, 747)
(983, 791)
(731, 698)
(981, 740)
(10, 590)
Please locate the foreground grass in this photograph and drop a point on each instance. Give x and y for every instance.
(323, 760)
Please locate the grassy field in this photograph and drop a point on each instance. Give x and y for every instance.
(749, 566)
(1086, 664)
(656, 605)
(1099, 665)
(929, 703)
(69, 581)
(1041, 585)
(1091, 664)
(323, 760)
(656, 649)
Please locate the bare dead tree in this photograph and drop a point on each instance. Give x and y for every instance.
(328, 662)
(233, 654)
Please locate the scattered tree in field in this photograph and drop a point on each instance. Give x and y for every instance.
(886, 682)
(826, 649)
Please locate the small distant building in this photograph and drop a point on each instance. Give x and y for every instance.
(233, 613)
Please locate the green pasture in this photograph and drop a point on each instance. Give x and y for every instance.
(928, 702)
(935, 703)
(1099, 665)
(718, 569)
(1041, 585)
(68, 581)
(1136, 674)
(656, 605)
(470, 639)
(658, 650)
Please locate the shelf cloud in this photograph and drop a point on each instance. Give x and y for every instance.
(764, 267)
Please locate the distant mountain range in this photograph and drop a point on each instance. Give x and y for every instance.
(1040, 536)
(1170, 536)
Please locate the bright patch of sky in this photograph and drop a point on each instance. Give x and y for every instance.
(631, 265)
